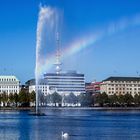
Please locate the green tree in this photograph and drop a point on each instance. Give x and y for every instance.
(32, 97)
(0, 99)
(24, 98)
(102, 99)
(11, 99)
(4, 98)
(16, 99)
(128, 98)
(121, 100)
(56, 98)
(113, 100)
(137, 99)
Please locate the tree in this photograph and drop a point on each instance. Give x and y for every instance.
(128, 98)
(105, 98)
(32, 97)
(16, 99)
(137, 99)
(48, 99)
(4, 98)
(102, 99)
(56, 98)
(85, 99)
(121, 99)
(24, 98)
(41, 98)
(0, 99)
(11, 98)
(113, 100)
(71, 98)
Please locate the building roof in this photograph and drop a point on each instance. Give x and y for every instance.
(8, 77)
(32, 82)
(122, 79)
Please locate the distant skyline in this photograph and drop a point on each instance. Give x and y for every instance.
(114, 54)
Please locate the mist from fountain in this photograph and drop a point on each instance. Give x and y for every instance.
(45, 42)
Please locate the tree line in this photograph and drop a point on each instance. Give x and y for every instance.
(22, 99)
(126, 100)
(26, 99)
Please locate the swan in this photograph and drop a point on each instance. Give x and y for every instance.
(65, 135)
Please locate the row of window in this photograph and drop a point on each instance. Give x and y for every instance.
(9, 91)
(6, 79)
(65, 80)
(130, 85)
(9, 86)
(122, 92)
(123, 89)
(125, 81)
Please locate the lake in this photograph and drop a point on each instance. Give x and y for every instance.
(80, 124)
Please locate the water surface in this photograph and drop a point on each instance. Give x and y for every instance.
(78, 123)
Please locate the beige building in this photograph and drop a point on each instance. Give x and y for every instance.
(121, 85)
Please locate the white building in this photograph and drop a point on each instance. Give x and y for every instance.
(66, 83)
(42, 86)
(9, 84)
(121, 85)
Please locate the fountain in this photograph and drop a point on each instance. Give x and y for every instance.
(45, 43)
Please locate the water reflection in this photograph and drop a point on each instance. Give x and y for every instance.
(79, 124)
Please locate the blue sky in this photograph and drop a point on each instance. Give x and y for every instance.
(112, 55)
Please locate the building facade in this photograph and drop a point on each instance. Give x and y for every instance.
(65, 83)
(9, 84)
(42, 86)
(121, 85)
(93, 87)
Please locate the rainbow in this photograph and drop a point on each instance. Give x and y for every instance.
(84, 42)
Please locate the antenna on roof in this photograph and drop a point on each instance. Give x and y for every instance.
(4, 70)
(138, 73)
(58, 62)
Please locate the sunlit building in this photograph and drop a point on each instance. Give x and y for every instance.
(93, 87)
(121, 85)
(9, 84)
(65, 83)
(42, 86)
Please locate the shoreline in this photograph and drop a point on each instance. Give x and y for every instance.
(67, 108)
(17, 108)
(93, 108)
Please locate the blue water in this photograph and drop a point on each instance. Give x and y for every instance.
(79, 124)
